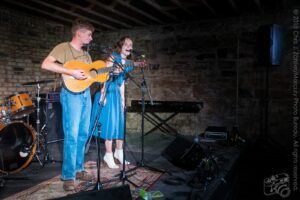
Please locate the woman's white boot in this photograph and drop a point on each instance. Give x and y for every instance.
(109, 160)
(119, 156)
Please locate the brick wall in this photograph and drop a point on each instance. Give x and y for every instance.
(25, 41)
(200, 62)
(197, 62)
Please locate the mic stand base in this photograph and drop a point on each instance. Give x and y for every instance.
(98, 186)
(143, 165)
(123, 177)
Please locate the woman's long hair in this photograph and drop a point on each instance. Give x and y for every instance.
(118, 46)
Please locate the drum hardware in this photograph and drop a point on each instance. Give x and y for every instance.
(4, 115)
(20, 142)
(40, 139)
(38, 82)
(20, 105)
(38, 132)
(17, 141)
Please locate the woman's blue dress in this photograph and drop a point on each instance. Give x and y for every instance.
(111, 117)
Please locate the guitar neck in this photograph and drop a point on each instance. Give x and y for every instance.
(130, 64)
(105, 70)
(110, 69)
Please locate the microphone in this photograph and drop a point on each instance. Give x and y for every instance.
(137, 53)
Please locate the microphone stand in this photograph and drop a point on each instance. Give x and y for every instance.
(97, 124)
(144, 89)
(123, 176)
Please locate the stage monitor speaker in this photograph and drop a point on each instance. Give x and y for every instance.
(184, 153)
(51, 125)
(114, 193)
(270, 44)
(54, 130)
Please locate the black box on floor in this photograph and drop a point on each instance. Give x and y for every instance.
(114, 193)
(184, 153)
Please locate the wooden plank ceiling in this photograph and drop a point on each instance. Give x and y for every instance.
(127, 14)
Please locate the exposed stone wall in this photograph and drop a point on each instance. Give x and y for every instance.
(200, 61)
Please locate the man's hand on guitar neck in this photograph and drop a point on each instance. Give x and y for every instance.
(78, 74)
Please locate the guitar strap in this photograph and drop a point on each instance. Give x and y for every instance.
(83, 57)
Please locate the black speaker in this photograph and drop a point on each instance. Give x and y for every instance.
(114, 193)
(54, 130)
(270, 44)
(184, 153)
(51, 127)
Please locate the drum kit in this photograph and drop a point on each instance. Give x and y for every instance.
(19, 141)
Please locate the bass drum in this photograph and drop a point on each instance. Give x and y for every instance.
(17, 146)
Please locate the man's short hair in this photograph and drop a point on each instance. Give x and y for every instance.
(81, 24)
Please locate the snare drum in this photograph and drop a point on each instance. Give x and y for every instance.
(17, 146)
(20, 105)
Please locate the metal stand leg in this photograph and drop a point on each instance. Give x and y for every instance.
(40, 147)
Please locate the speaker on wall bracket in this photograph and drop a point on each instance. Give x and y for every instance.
(184, 153)
(270, 40)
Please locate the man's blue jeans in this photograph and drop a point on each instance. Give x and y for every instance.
(76, 111)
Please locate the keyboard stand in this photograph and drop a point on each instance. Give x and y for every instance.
(170, 107)
(160, 123)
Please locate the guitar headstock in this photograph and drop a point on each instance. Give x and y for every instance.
(144, 64)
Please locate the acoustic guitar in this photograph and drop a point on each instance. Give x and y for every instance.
(95, 72)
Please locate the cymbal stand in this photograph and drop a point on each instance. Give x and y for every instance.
(38, 134)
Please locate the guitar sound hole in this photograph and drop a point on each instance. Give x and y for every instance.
(93, 73)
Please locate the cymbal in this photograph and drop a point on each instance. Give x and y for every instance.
(38, 82)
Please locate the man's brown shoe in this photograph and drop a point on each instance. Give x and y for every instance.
(69, 185)
(85, 176)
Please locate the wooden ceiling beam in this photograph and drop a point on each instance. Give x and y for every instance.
(73, 14)
(258, 4)
(160, 9)
(209, 7)
(127, 4)
(111, 9)
(234, 6)
(21, 4)
(98, 14)
(179, 4)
